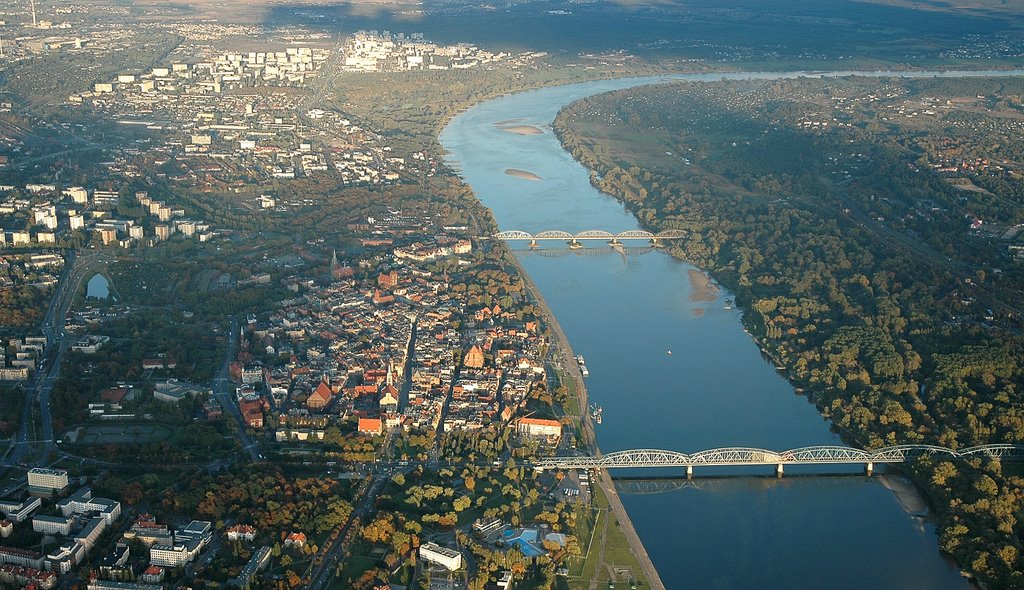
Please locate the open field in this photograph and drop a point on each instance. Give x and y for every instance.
(134, 433)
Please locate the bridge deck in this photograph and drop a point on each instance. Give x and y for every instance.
(743, 456)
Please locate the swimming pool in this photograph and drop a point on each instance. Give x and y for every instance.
(524, 540)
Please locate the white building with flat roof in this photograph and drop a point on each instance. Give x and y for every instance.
(48, 479)
(90, 533)
(443, 556)
(66, 556)
(169, 555)
(19, 511)
(22, 557)
(111, 585)
(82, 502)
(52, 525)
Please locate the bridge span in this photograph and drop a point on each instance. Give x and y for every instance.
(574, 240)
(740, 456)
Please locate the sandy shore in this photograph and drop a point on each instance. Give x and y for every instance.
(523, 129)
(522, 174)
(703, 289)
(907, 494)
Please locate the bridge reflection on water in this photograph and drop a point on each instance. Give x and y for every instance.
(587, 251)
(645, 485)
(907, 494)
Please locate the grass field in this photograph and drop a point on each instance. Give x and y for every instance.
(619, 564)
(134, 433)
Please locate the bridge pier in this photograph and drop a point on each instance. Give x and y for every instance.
(655, 243)
(689, 472)
(869, 468)
(533, 244)
(614, 242)
(575, 245)
(778, 470)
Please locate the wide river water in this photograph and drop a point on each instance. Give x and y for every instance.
(624, 313)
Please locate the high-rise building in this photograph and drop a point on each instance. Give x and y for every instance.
(48, 480)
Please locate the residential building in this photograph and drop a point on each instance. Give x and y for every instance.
(153, 574)
(188, 543)
(52, 525)
(174, 391)
(146, 530)
(372, 426)
(22, 557)
(257, 562)
(443, 556)
(82, 502)
(539, 427)
(295, 540)
(100, 197)
(50, 480)
(19, 511)
(92, 530)
(111, 585)
(66, 556)
(241, 532)
(115, 564)
(20, 576)
(170, 555)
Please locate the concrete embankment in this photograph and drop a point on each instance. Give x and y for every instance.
(564, 353)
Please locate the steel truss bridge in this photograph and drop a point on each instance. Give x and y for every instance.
(820, 455)
(592, 234)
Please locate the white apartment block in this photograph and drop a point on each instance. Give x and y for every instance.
(170, 555)
(16, 511)
(443, 556)
(62, 559)
(52, 525)
(82, 502)
(51, 479)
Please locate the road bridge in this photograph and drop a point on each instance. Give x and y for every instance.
(743, 456)
(574, 240)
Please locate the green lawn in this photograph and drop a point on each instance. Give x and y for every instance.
(617, 552)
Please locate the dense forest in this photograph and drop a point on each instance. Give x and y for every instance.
(884, 322)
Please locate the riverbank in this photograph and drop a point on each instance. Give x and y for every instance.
(623, 315)
(564, 355)
(787, 333)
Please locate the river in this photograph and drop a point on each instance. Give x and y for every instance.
(624, 313)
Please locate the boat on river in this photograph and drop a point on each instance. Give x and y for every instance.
(583, 365)
(595, 413)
